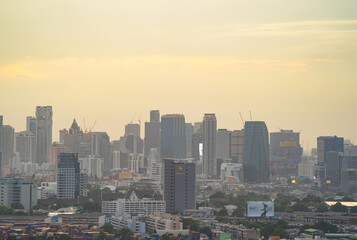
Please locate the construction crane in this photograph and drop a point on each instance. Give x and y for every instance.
(90, 130)
(132, 119)
(241, 117)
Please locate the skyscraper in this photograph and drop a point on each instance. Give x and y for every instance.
(325, 145)
(132, 128)
(173, 136)
(256, 152)
(7, 138)
(189, 133)
(285, 153)
(43, 133)
(26, 146)
(152, 132)
(209, 145)
(100, 146)
(31, 124)
(68, 176)
(237, 146)
(179, 185)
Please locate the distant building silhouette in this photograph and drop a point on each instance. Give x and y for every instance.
(43, 133)
(256, 152)
(209, 145)
(173, 136)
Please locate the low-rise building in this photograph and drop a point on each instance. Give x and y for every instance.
(163, 221)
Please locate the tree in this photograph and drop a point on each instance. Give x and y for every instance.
(223, 212)
(17, 205)
(166, 236)
(326, 227)
(338, 207)
(101, 236)
(322, 207)
(126, 234)
(107, 227)
(353, 209)
(5, 211)
(300, 207)
(207, 231)
(273, 230)
(219, 195)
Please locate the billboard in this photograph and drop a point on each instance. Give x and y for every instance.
(260, 209)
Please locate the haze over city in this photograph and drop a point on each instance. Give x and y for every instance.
(293, 65)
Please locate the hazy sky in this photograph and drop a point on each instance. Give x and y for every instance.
(292, 64)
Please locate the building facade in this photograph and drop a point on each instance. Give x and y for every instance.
(256, 152)
(43, 133)
(209, 135)
(173, 136)
(179, 185)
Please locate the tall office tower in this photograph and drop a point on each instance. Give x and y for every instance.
(43, 133)
(7, 138)
(223, 145)
(68, 176)
(237, 146)
(173, 136)
(348, 183)
(100, 146)
(26, 146)
(324, 145)
(18, 190)
(285, 153)
(179, 185)
(152, 132)
(209, 136)
(134, 144)
(121, 159)
(256, 152)
(189, 133)
(62, 134)
(132, 128)
(31, 124)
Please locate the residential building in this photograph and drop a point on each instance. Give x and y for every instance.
(17, 190)
(179, 185)
(124, 220)
(92, 165)
(26, 146)
(120, 159)
(173, 136)
(163, 221)
(55, 149)
(256, 152)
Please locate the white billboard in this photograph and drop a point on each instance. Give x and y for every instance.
(260, 209)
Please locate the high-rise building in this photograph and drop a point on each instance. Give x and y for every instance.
(68, 176)
(325, 145)
(152, 132)
(256, 152)
(100, 146)
(55, 149)
(31, 124)
(26, 146)
(173, 136)
(209, 145)
(285, 153)
(237, 146)
(18, 190)
(132, 128)
(62, 134)
(197, 142)
(189, 133)
(223, 144)
(43, 133)
(92, 165)
(348, 182)
(179, 185)
(7, 138)
(120, 159)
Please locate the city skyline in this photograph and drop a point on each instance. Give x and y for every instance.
(292, 65)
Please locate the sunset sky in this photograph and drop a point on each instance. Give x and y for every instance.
(293, 64)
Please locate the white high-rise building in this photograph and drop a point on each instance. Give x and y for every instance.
(26, 146)
(43, 133)
(92, 165)
(209, 145)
